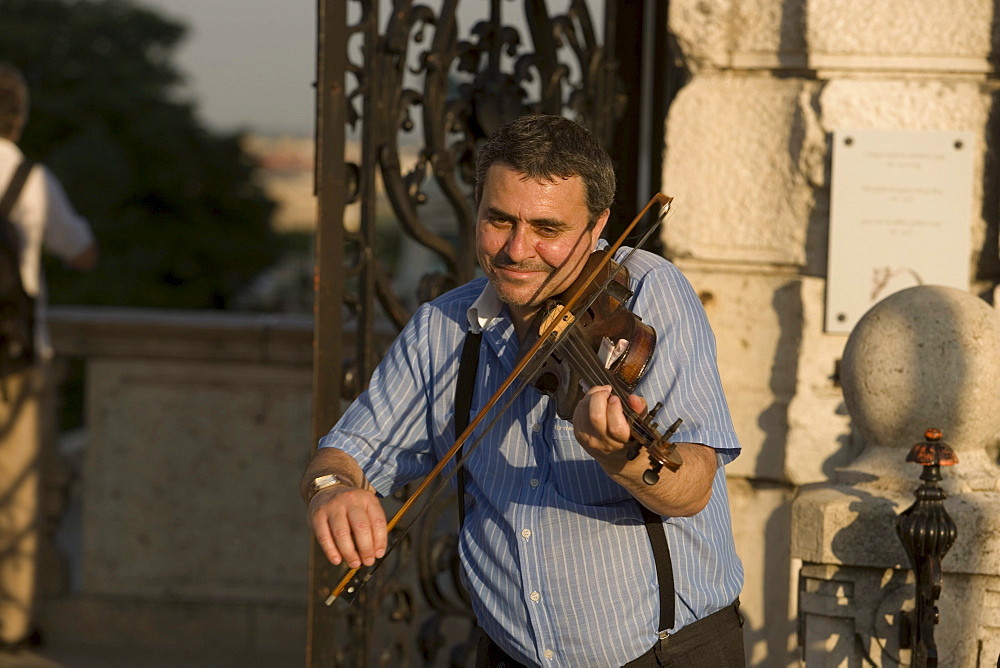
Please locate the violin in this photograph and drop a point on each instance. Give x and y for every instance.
(560, 354)
(609, 345)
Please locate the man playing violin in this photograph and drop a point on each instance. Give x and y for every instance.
(558, 542)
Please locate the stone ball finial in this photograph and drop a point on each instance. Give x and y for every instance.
(928, 356)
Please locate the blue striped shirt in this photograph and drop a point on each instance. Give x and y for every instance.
(555, 553)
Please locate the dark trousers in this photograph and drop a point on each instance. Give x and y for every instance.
(713, 642)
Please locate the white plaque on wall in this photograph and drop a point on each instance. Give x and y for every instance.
(900, 216)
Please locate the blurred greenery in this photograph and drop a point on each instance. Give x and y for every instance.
(179, 218)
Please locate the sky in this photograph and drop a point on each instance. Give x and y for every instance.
(249, 64)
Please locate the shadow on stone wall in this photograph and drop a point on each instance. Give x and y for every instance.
(773, 420)
(988, 263)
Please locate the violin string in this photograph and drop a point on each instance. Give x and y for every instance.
(596, 374)
(643, 431)
(585, 355)
(587, 358)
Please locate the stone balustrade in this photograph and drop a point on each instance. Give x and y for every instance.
(197, 430)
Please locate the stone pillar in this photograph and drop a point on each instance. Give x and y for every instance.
(748, 163)
(744, 160)
(925, 357)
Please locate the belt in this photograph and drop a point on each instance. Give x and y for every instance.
(490, 654)
(691, 635)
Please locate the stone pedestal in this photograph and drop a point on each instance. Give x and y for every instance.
(924, 357)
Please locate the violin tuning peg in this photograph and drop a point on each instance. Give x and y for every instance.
(656, 409)
(652, 476)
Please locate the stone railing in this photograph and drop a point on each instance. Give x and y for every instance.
(197, 429)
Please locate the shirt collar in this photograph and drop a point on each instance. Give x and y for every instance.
(486, 307)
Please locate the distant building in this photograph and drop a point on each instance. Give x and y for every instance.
(286, 173)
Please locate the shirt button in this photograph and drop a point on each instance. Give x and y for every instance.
(526, 533)
(535, 596)
(536, 427)
(549, 654)
(533, 482)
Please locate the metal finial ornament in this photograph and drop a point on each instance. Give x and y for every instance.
(927, 533)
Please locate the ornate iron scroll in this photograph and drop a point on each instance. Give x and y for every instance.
(417, 100)
(467, 89)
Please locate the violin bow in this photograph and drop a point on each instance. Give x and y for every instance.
(544, 339)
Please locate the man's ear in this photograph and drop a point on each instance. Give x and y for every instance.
(599, 227)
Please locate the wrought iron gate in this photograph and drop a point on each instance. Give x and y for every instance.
(402, 102)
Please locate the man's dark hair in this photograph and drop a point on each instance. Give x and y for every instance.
(549, 147)
(13, 100)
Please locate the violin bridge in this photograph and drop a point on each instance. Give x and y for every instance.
(562, 318)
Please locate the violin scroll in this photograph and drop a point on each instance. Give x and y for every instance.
(662, 453)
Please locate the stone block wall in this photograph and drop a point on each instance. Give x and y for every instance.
(748, 151)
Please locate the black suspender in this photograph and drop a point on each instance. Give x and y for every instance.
(664, 566)
(463, 403)
(464, 388)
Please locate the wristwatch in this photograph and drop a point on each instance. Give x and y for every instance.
(322, 482)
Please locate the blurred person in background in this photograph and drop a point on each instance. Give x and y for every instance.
(41, 217)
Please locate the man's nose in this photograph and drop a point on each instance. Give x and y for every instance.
(518, 246)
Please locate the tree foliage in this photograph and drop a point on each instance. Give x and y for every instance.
(179, 218)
